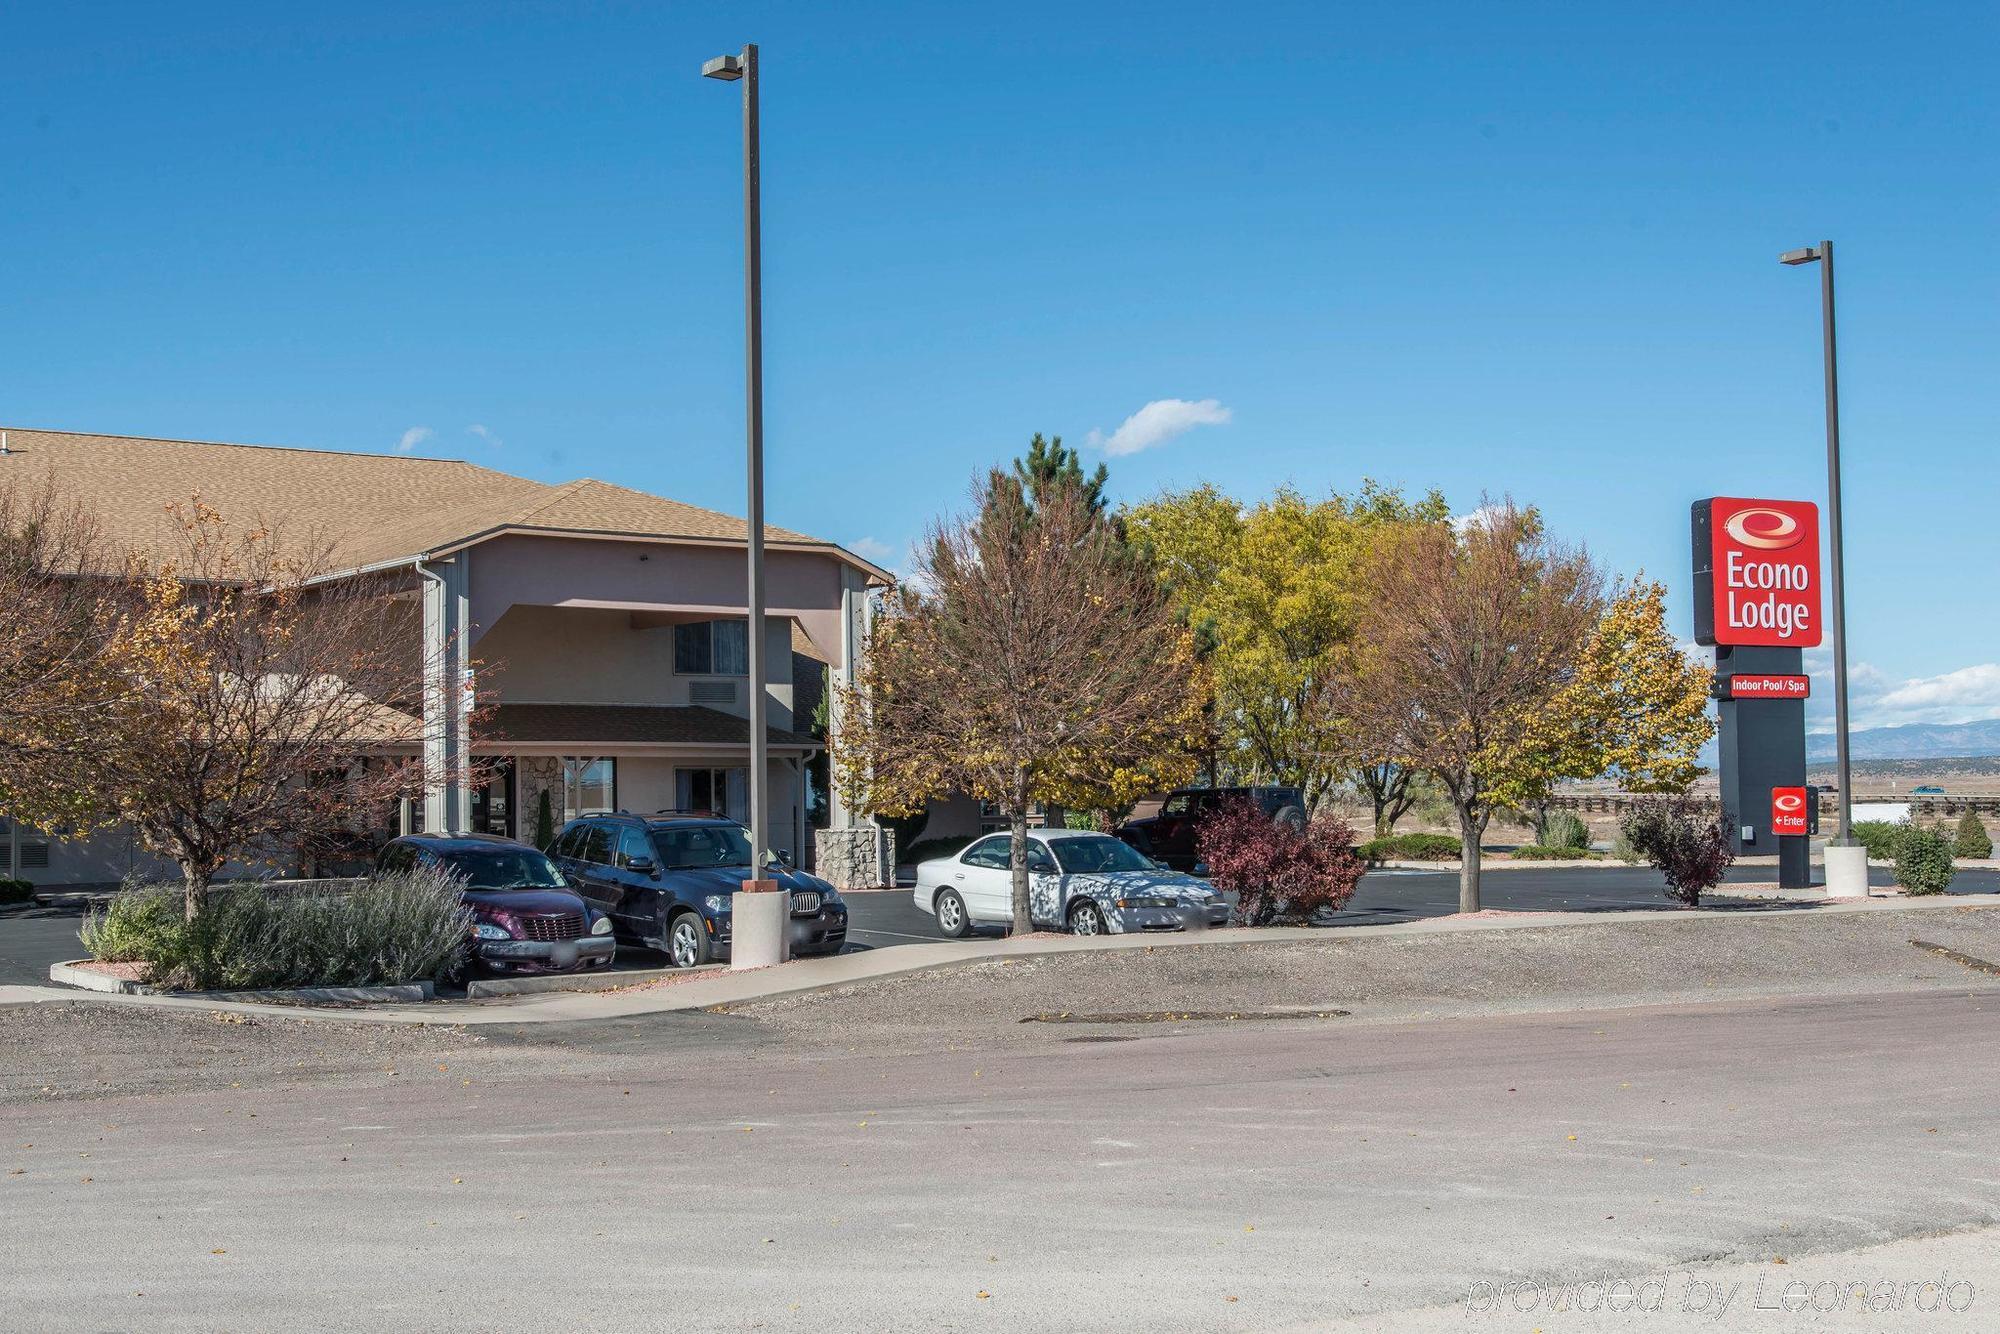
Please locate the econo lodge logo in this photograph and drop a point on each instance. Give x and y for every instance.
(1764, 528)
(1766, 571)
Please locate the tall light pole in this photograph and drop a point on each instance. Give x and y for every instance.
(1823, 255)
(748, 945)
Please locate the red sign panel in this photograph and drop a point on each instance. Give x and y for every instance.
(1788, 811)
(1766, 572)
(1757, 685)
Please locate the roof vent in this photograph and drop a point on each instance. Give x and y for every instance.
(4, 451)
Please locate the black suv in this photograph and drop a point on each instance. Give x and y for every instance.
(665, 880)
(1169, 836)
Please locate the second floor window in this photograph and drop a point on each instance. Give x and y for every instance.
(712, 648)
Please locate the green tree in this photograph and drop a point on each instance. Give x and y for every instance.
(1274, 593)
(1972, 842)
(1049, 465)
(545, 822)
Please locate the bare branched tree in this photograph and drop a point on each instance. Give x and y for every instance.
(1470, 634)
(58, 614)
(265, 707)
(1032, 657)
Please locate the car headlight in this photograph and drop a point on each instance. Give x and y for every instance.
(716, 903)
(490, 931)
(601, 927)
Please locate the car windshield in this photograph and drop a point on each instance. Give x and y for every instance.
(688, 846)
(502, 868)
(1099, 853)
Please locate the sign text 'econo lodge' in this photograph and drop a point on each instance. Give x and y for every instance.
(1762, 582)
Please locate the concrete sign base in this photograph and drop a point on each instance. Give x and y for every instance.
(758, 916)
(1846, 872)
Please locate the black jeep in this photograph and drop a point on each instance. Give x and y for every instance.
(1169, 836)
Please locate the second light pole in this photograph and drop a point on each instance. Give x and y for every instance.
(758, 910)
(1846, 864)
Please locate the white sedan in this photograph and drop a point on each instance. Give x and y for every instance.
(1078, 880)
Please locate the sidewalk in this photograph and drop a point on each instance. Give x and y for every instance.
(805, 975)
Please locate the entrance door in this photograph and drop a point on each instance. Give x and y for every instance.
(493, 801)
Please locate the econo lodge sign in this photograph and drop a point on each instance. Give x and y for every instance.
(1757, 572)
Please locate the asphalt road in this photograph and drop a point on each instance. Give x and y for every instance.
(889, 918)
(699, 1173)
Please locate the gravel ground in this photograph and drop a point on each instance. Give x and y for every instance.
(86, 1048)
(90, 1048)
(1399, 978)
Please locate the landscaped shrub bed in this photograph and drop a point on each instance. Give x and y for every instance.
(1880, 837)
(1280, 872)
(1684, 841)
(1923, 861)
(1565, 829)
(16, 891)
(1410, 848)
(1539, 852)
(407, 927)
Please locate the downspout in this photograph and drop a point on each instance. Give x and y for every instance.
(445, 701)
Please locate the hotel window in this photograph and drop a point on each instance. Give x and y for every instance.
(590, 787)
(712, 648)
(724, 792)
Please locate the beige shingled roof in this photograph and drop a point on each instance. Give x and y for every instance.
(374, 508)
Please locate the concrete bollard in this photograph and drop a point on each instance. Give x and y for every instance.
(758, 917)
(1846, 872)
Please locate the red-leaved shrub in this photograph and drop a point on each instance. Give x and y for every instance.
(1280, 873)
(1682, 839)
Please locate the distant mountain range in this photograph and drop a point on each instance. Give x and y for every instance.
(1912, 741)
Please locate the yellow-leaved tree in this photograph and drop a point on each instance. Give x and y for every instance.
(1275, 592)
(1032, 657)
(1634, 709)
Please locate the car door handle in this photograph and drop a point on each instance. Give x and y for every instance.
(958, 875)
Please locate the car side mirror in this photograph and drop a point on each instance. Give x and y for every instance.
(784, 856)
(1201, 870)
(643, 866)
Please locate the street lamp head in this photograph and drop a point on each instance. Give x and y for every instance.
(1804, 255)
(727, 68)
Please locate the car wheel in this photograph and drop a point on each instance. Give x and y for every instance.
(1087, 919)
(687, 941)
(952, 919)
(1290, 816)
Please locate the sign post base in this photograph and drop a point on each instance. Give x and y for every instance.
(1846, 872)
(758, 916)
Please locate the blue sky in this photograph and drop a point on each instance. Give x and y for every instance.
(1491, 248)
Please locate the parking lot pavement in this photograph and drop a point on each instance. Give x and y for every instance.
(877, 920)
(1238, 1178)
(32, 938)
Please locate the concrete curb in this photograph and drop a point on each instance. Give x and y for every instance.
(803, 976)
(485, 988)
(71, 975)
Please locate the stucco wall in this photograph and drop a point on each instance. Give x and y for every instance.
(588, 655)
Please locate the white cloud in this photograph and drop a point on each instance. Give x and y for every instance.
(870, 549)
(413, 437)
(1158, 422)
(1479, 518)
(1875, 699)
(484, 434)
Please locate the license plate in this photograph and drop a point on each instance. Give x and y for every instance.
(563, 955)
